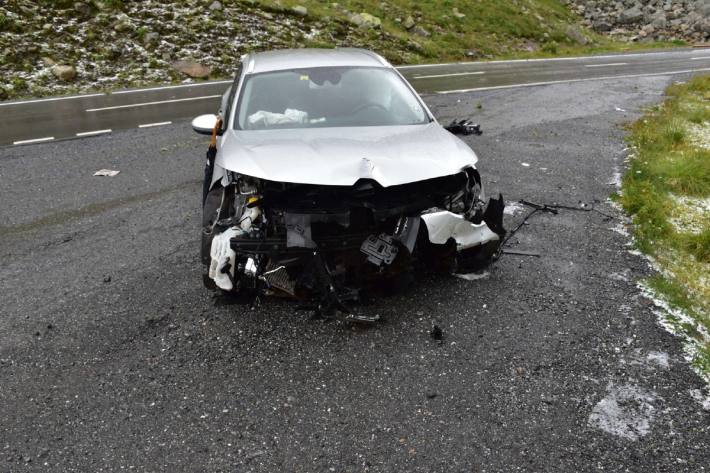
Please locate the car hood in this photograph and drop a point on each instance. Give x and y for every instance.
(390, 155)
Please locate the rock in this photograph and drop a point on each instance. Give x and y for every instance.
(659, 22)
(365, 20)
(192, 69)
(104, 5)
(64, 72)
(122, 25)
(632, 15)
(215, 6)
(299, 10)
(576, 35)
(409, 23)
(82, 9)
(601, 25)
(457, 13)
(150, 38)
(419, 31)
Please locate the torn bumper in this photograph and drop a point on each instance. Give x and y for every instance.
(443, 226)
(306, 262)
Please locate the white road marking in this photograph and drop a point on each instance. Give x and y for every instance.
(95, 132)
(450, 75)
(699, 58)
(36, 140)
(514, 61)
(146, 104)
(51, 99)
(165, 87)
(533, 84)
(608, 65)
(148, 125)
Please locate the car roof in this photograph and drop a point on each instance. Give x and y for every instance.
(310, 57)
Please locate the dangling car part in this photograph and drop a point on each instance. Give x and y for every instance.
(328, 176)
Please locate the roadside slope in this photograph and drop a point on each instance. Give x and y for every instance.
(667, 190)
(63, 46)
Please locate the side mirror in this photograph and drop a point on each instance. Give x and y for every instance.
(204, 124)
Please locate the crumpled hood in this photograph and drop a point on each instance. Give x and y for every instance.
(390, 155)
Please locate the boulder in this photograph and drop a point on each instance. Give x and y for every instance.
(601, 25)
(365, 20)
(151, 38)
(64, 72)
(215, 6)
(576, 35)
(192, 69)
(419, 31)
(299, 10)
(409, 23)
(659, 21)
(82, 9)
(631, 15)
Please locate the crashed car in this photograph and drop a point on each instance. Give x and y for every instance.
(328, 177)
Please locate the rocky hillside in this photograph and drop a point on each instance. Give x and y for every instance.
(648, 20)
(64, 46)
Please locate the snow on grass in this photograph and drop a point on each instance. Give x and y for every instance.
(691, 214)
(698, 134)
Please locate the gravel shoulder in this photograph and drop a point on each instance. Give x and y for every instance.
(112, 356)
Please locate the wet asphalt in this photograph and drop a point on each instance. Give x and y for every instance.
(57, 118)
(113, 357)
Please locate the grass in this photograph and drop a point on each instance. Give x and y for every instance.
(667, 190)
(489, 29)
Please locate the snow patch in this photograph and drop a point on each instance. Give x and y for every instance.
(691, 214)
(699, 134)
(658, 358)
(626, 411)
(513, 208)
(620, 228)
(698, 396)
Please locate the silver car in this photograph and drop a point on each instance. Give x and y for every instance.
(328, 177)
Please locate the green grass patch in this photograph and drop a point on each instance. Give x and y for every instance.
(488, 28)
(667, 191)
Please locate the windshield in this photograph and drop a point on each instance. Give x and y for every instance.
(327, 97)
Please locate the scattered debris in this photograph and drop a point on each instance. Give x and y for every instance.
(527, 165)
(464, 127)
(619, 109)
(522, 253)
(106, 172)
(107, 278)
(436, 333)
(472, 276)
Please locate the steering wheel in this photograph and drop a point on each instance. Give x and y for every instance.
(367, 105)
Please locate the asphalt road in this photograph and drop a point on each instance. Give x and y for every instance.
(69, 117)
(113, 357)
